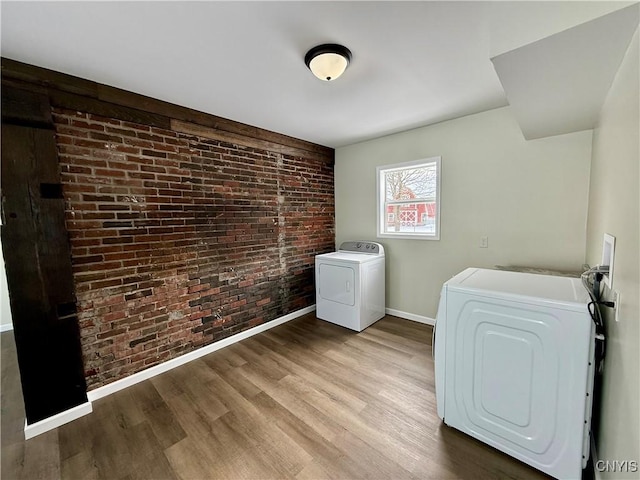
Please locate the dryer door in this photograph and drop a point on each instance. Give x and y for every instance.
(336, 283)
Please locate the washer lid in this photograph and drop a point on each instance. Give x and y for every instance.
(350, 257)
(560, 290)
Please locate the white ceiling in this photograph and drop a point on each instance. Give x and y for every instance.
(414, 63)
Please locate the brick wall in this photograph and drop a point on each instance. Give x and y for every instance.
(179, 241)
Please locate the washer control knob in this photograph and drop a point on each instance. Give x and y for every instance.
(358, 245)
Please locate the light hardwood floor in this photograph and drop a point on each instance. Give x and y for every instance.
(305, 400)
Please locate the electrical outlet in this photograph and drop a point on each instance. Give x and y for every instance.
(484, 242)
(616, 300)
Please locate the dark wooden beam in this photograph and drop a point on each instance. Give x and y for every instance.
(81, 103)
(22, 107)
(38, 259)
(76, 93)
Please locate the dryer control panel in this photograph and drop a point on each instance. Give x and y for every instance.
(371, 248)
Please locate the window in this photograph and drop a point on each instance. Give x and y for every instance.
(409, 200)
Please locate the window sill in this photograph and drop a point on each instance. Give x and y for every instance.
(408, 236)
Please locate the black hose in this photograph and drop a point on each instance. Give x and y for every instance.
(594, 310)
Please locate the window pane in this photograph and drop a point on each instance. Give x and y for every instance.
(409, 199)
(410, 183)
(411, 218)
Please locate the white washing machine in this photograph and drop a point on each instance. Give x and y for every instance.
(350, 285)
(514, 365)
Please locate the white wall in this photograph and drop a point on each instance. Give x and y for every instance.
(5, 309)
(614, 208)
(529, 198)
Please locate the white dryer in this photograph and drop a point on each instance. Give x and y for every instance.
(514, 365)
(350, 285)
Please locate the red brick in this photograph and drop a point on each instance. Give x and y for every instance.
(186, 230)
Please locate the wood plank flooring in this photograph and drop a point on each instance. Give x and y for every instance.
(305, 400)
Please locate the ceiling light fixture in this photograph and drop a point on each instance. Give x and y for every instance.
(328, 61)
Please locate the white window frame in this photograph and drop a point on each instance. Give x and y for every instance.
(381, 211)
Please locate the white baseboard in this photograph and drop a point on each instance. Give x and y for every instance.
(6, 327)
(56, 421)
(410, 316)
(123, 383)
(67, 416)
